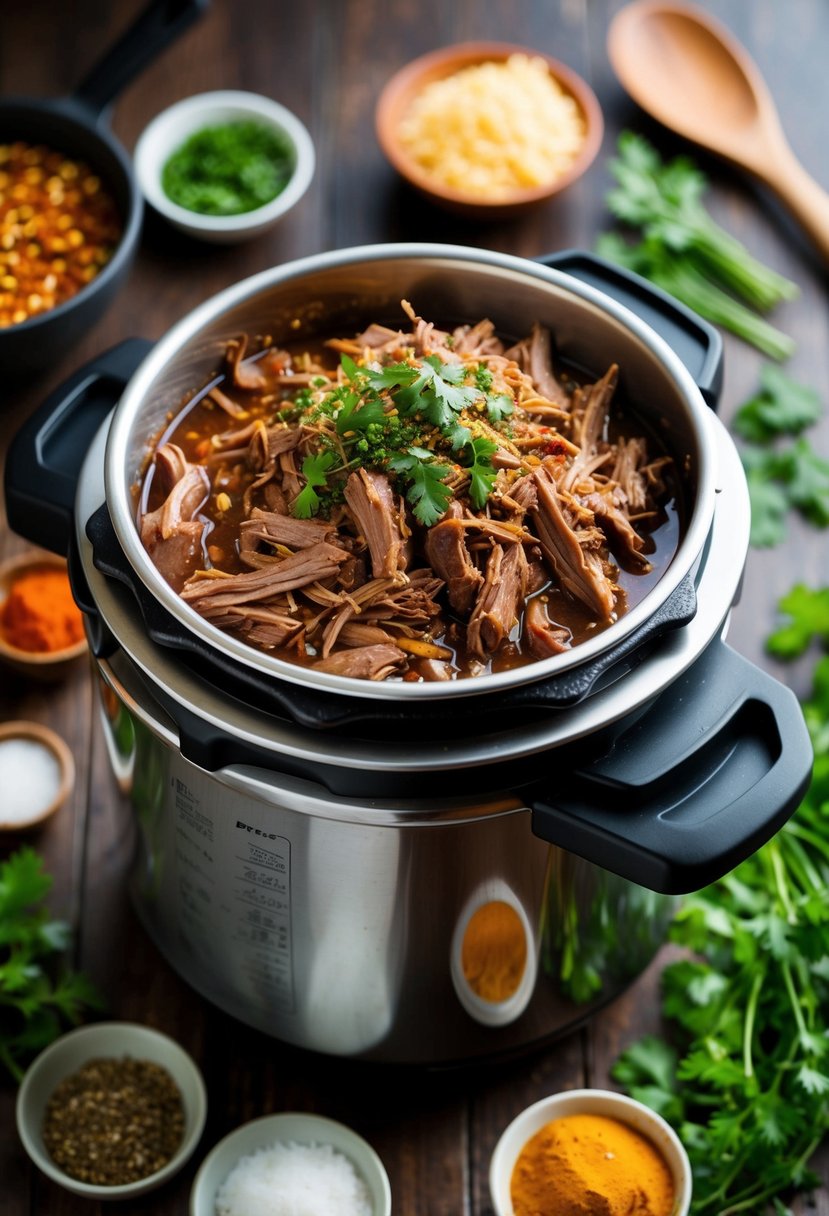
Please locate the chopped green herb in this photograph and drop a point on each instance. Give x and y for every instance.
(35, 1003)
(229, 169)
(406, 418)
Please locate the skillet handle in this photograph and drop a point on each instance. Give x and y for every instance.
(705, 777)
(155, 28)
(45, 457)
(697, 343)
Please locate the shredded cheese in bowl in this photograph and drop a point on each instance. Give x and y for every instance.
(494, 127)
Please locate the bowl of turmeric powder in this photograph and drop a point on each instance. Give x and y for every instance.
(592, 1151)
(41, 627)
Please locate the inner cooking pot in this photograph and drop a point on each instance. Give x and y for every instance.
(341, 294)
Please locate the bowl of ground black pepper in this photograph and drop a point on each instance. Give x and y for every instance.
(224, 166)
(111, 1110)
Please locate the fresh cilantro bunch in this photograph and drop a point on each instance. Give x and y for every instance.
(37, 996)
(685, 252)
(413, 438)
(782, 478)
(747, 1085)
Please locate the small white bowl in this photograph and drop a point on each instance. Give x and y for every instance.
(169, 130)
(298, 1128)
(588, 1102)
(53, 747)
(108, 1040)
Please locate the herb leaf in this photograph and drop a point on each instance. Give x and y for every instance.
(427, 492)
(315, 470)
(809, 613)
(34, 1003)
(782, 406)
(482, 473)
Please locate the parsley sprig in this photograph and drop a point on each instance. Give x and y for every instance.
(412, 419)
(37, 999)
(685, 252)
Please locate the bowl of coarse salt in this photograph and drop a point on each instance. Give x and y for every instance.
(37, 773)
(291, 1162)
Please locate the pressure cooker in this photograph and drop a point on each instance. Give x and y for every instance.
(424, 872)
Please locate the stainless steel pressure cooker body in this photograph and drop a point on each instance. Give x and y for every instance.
(434, 872)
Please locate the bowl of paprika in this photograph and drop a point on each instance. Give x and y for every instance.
(592, 1151)
(41, 627)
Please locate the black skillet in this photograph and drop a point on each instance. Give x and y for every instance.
(77, 126)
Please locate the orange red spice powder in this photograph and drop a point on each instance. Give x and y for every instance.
(39, 614)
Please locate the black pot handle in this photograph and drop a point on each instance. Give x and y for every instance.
(697, 343)
(45, 457)
(700, 781)
(155, 28)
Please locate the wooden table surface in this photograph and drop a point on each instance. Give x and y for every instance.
(327, 60)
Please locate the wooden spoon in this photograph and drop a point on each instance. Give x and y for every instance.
(689, 72)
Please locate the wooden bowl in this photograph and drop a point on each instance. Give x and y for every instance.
(51, 744)
(400, 91)
(40, 665)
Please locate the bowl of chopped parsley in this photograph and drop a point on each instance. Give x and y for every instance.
(224, 166)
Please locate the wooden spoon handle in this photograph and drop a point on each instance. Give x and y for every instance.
(808, 202)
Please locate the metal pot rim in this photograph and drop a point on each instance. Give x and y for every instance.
(443, 256)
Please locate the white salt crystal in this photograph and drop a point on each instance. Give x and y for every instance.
(294, 1180)
(29, 779)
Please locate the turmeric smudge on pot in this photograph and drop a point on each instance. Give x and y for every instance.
(591, 1165)
(494, 951)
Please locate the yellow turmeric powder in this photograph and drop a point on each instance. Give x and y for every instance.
(494, 951)
(39, 613)
(591, 1165)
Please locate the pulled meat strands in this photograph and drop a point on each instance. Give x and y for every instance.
(447, 554)
(212, 594)
(499, 602)
(364, 662)
(578, 570)
(247, 376)
(591, 408)
(543, 637)
(170, 534)
(535, 357)
(376, 514)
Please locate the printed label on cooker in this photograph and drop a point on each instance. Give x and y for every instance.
(234, 881)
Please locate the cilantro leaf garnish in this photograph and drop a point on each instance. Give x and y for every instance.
(315, 471)
(401, 417)
(427, 492)
(482, 473)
